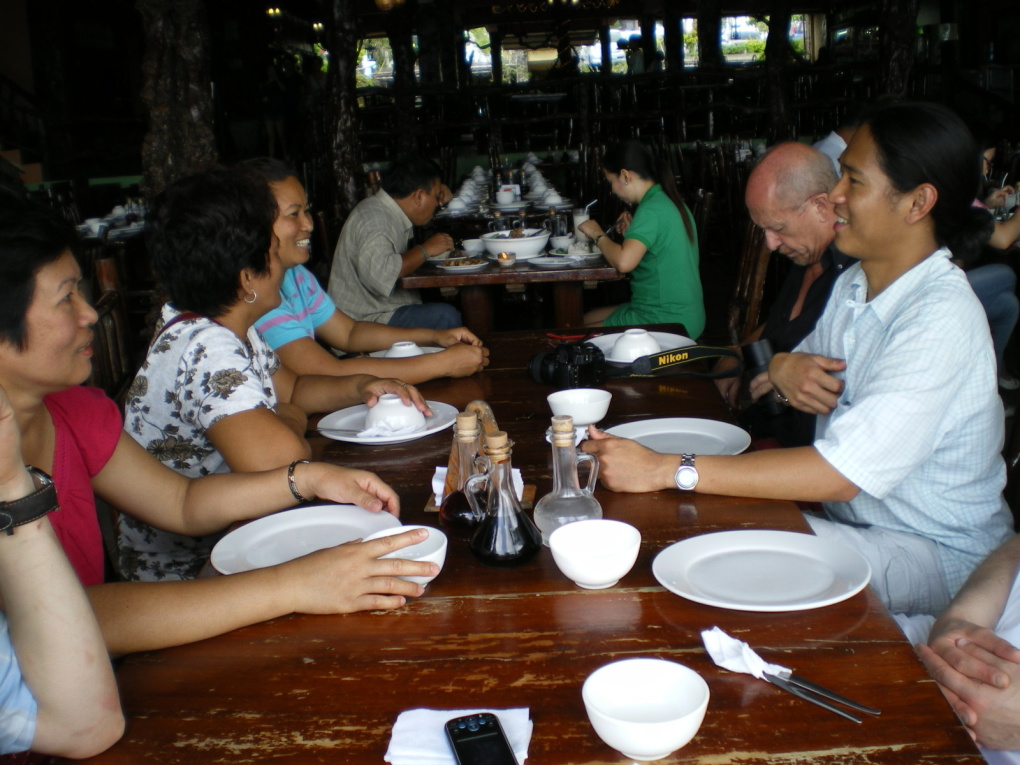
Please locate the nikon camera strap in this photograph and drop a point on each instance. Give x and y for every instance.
(679, 361)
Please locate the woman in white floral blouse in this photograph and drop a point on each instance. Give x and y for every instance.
(211, 395)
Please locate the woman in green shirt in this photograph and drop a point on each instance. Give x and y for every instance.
(660, 245)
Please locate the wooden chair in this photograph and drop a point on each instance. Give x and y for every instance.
(703, 205)
(745, 306)
(112, 367)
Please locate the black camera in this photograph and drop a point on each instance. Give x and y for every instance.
(569, 366)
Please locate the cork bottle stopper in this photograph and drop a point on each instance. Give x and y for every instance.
(467, 421)
(497, 441)
(563, 423)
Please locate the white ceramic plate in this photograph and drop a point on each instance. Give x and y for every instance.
(284, 536)
(667, 341)
(453, 268)
(512, 207)
(766, 571)
(520, 258)
(448, 256)
(425, 349)
(353, 419)
(685, 435)
(553, 262)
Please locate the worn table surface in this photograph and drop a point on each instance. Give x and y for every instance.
(476, 289)
(310, 689)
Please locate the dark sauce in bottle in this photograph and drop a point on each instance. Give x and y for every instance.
(456, 516)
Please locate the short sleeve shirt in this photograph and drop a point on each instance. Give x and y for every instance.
(666, 285)
(368, 259)
(87, 427)
(18, 707)
(196, 373)
(304, 307)
(919, 424)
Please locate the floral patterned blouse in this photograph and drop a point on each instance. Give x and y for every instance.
(196, 373)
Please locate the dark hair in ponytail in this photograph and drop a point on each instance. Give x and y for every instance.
(927, 143)
(633, 156)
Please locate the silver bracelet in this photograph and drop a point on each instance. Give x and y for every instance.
(780, 397)
(292, 482)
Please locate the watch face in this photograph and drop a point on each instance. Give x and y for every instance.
(686, 477)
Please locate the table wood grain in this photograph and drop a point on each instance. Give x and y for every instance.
(476, 290)
(311, 689)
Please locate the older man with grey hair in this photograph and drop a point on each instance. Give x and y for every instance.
(787, 195)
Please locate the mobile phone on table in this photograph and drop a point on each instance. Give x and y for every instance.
(478, 739)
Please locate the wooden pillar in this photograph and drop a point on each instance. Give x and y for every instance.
(896, 46)
(709, 23)
(673, 38)
(606, 44)
(496, 53)
(777, 87)
(649, 49)
(176, 92)
(342, 117)
(399, 31)
(449, 32)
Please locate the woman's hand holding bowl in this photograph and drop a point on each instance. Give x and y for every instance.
(372, 388)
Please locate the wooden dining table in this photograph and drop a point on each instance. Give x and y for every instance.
(477, 290)
(311, 689)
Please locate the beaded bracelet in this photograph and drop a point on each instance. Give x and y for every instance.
(292, 482)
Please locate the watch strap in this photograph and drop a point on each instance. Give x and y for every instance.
(31, 507)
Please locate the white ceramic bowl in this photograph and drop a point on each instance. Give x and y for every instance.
(473, 246)
(505, 197)
(595, 554)
(432, 550)
(530, 245)
(561, 242)
(645, 708)
(586, 405)
(633, 344)
(456, 204)
(403, 350)
(394, 413)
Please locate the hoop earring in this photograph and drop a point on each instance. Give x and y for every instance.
(254, 297)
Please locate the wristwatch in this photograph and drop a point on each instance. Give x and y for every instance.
(596, 242)
(32, 507)
(686, 476)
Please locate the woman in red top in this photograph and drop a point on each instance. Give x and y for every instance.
(74, 434)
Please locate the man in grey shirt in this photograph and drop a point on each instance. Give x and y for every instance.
(374, 250)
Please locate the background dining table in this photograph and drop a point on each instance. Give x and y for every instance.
(476, 290)
(310, 689)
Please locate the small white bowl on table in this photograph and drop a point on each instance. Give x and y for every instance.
(390, 411)
(595, 554)
(645, 708)
(586, 405)
(430, 550)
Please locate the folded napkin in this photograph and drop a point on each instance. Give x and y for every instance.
(736, 656)
(382, 429)
(439, 483)
(418, 737)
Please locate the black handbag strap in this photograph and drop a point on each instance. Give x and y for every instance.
(679, 361)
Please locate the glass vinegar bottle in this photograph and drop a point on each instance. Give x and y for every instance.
(567, 502)
(506, 536)
(455, 513)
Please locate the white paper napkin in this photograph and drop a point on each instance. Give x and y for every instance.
(418, 737)
(439, 483)
(737, 656)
